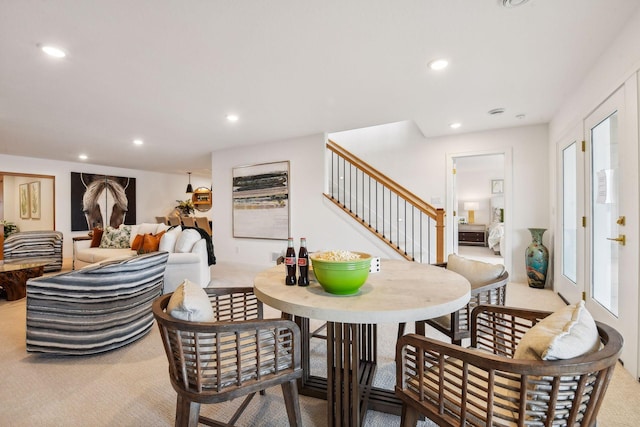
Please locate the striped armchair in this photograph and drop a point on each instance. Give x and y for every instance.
(95, 309)
(35, 246)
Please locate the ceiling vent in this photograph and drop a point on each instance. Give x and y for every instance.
(513, 3)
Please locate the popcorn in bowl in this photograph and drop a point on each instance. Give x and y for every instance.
(337, 256)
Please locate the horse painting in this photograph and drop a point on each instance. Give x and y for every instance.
(104, 200)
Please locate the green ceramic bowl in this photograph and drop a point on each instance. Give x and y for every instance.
(341, 277)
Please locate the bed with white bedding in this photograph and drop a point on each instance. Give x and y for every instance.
(496, 228)
(496, 236)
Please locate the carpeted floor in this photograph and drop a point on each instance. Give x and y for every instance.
(130, 386)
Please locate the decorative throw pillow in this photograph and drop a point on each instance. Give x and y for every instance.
(476, 272)
(168, 240)
(147, 228)
(186, 240)
(151, 242)
(136, 244)
(569, 332)
(162, 227)
(190, 302)
(116, 238)
(96, 237)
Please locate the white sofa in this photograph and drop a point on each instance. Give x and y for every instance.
(188, 257)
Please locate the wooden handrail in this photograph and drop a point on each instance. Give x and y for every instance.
(416, 201)
(437, 214)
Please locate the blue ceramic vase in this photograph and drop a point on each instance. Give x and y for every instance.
(537, 259)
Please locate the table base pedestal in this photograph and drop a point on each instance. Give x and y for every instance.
(350, 348)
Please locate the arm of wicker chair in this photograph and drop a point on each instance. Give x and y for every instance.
(456, 325)
(455, 386)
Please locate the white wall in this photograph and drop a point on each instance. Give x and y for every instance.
(404, 155)
(312, 216)
(156, 193)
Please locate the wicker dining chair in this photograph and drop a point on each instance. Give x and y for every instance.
(173, 220)
(486, 386)
(188, 221)
(236, 355)
(488, 287)
(203, 223)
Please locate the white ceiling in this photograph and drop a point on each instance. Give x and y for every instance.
(169, 71)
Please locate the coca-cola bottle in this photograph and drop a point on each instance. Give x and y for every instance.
(290, 262)
(303, 263)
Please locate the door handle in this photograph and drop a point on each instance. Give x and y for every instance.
(622, 239)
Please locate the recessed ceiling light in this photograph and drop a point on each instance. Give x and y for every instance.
(53, 51)
(438, 64)
(513, 3)
(232, 117)
(496, 111)
(138, 141)
(455, 125)
(83, 157)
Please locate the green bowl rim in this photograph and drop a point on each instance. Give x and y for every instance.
(361, 259)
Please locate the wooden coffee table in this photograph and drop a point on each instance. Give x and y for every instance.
(13, 277)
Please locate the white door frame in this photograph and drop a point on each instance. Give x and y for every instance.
(570, 292)
(507, 152)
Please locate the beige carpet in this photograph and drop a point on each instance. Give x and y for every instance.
(130, 386)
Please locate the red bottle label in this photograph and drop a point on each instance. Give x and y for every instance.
(290, 261)
(302, 262)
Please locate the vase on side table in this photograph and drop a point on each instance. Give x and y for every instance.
(537, 259)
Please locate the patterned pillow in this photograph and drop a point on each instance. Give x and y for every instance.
(116, 238)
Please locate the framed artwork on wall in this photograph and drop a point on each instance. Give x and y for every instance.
(497, 186)
(261, 201)
(101, 201)
(34, 200)
(25, 210)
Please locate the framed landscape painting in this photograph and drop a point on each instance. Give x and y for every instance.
(34, 200)
(23, 190)
(261, 201)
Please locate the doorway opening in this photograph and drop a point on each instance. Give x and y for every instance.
(477, 197)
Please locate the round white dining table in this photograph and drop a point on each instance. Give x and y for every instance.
(402, 291)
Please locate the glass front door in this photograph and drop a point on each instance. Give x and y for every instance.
(611, 210)
(605, 211)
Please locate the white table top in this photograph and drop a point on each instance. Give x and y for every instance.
(403, 291)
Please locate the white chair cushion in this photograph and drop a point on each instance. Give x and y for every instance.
(190, 302)
(186, 240)
(476, 272)
(569, 332)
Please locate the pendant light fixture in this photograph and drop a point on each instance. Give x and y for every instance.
(189, 187)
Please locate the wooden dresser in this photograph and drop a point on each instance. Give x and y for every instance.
(472, 234)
